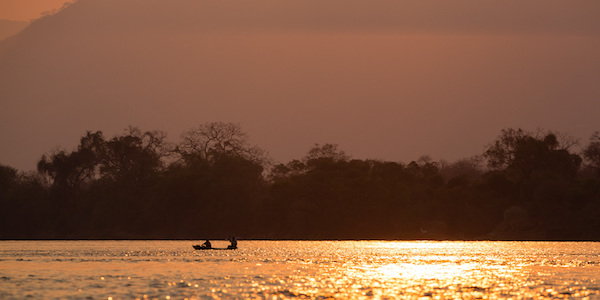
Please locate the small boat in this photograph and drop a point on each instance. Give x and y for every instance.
(198, 247)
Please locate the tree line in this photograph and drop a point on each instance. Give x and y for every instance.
(213, 184)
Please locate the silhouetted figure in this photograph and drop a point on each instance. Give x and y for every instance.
(233, 242)
(206, 245)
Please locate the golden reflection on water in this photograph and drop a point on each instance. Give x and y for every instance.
(421, 272)
(301, 270)
(442, 280)
(449, 270)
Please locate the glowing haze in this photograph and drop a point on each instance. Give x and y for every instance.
(389, 80)
(27, 10)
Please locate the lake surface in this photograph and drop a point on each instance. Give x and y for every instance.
(299, 270)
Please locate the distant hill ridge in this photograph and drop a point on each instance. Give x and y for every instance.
(9, 28)
(343, 71)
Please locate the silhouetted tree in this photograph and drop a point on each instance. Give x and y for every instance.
(522, 155)
(543, 173)
(326, 151)
(592, 153)
(462, 172)
(68, 173)
(8, 181)
(24, 207)
(216, 184)
(134, 156)
(213, 184)
(218, 138)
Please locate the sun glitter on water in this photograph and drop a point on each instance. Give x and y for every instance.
(411, 271)
(300, 270)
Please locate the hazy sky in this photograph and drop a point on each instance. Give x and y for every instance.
(389, 80)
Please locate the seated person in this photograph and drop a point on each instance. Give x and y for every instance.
(233, 242)
(206, 244)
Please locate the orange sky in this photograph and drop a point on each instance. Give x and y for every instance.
(26, 10)
(392, 81)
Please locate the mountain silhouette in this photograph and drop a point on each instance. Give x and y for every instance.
(291, 72)
(10, 28)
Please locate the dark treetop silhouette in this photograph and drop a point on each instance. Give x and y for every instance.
(214, 182)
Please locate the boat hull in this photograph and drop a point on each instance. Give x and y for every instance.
(198, 247)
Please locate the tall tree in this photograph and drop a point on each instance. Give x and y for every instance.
(522, 155)
(210, 140)
(592, 153)
(68, 172)
(135, 155)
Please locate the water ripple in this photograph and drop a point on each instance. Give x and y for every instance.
(299, 270)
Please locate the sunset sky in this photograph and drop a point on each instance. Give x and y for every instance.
(389, 80)
(26, 10)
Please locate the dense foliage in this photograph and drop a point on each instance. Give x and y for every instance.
(214, 184)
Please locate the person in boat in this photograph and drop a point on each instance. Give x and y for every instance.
(206, 245)
(233, 242)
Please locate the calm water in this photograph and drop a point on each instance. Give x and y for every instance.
(298, 269)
